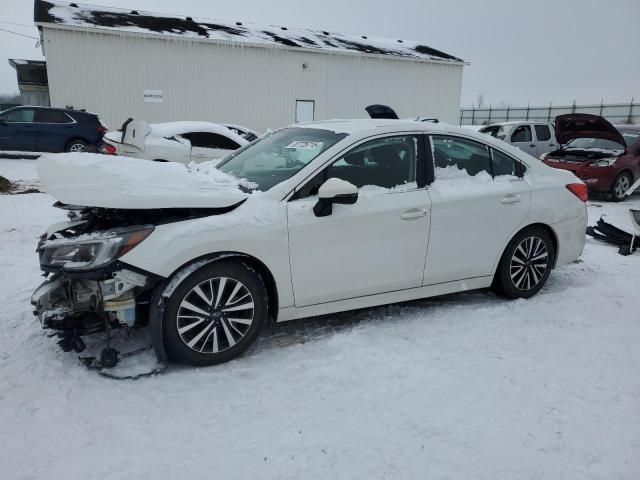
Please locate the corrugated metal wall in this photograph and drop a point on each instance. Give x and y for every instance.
(107, 73)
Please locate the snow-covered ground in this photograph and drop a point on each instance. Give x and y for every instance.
(464, 387)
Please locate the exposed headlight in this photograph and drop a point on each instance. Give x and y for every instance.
(604, 162)
(91, 251)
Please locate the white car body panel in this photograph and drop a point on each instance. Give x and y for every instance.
(122, 182)
(324, 265)
(165, 141)
(394, 245)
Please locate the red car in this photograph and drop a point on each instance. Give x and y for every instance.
(605, 157)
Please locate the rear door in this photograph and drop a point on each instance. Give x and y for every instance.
(522, 137)
(545, 140)
(17, 131)
(55, 129)
(207, 145)
(479, 199)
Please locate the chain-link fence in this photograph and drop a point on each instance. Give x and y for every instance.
(616, 113)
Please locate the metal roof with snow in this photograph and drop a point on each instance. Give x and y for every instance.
(72, 14)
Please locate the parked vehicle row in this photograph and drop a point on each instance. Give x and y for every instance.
(605, 157)
(41, 129)
(307, 220)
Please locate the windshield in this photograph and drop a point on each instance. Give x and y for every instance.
(279, 156)
(594, 143)
(630, 136)
(498, 131)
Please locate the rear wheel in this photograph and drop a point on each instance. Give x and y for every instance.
(620, 186)
(77, 146)
(525, 264)
(215, 314)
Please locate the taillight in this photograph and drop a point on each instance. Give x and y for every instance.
(102, 130)
(579, 190)
(107, 149)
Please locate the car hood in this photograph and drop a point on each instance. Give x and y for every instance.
(582, 125)
(106, 181)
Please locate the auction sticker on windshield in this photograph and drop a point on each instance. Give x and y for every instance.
(304, 145)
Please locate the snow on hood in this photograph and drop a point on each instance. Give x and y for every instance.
(106, 181)
(583, 125)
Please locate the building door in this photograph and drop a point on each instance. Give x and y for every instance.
(305, 110)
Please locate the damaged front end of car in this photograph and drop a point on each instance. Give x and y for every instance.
(88, 289)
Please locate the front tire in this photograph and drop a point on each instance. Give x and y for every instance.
(215, 314)
(620, 186)
(525, 264)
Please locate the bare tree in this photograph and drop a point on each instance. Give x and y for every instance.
(480, 100)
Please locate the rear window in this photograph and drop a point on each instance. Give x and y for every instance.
(51, 116)
(630, 136)
(498, 131)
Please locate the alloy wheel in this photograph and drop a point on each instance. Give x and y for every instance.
(215, 315)
(78, 148)
(529, 263)
(621, 186)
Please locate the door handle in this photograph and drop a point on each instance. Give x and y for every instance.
(533, 145)
(413, 213)
(511, 198)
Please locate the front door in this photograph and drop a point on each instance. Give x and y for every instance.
(376, 245)
(305, 111)
(17, 130)
(522, 137)
(479, 200)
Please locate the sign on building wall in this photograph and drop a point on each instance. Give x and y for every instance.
(152, 96)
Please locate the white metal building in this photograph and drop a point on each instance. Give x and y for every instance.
(127, 63)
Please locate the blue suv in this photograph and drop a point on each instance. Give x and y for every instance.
(40, 129)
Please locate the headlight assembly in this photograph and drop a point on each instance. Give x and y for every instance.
(91, 251)
(604, 162)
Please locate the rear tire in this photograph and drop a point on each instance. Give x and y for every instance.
(215, 314)
(620, 185)
(525, 264)
(77, 146)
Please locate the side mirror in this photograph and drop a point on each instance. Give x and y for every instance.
(333, 191)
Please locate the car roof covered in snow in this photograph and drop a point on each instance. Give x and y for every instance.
(138, 21)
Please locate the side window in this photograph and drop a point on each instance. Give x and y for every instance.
(51, 116)
(210, 140)
(22, 115)
(543, 133)
(502, 164)
(386, 162)
(522, 134)
(453, 156)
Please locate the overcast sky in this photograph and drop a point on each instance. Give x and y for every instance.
(520, 51)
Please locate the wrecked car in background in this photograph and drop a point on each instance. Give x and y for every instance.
(604, 157)
(534, 138)
(181, 142)
(307, 220)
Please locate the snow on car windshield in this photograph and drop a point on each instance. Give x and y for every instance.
(279, 156)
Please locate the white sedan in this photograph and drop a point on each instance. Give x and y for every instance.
(181, 142)
(308, 220)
